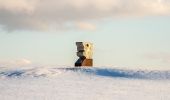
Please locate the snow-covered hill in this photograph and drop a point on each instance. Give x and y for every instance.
(46, 83)
(105, 72)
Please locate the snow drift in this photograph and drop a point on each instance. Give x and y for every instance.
(103, 72)
(54, 83)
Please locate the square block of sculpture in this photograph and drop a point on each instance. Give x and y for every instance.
(84, 49)
(84, 52)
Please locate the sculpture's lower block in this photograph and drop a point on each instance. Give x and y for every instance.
(88, 62)
(84, 62)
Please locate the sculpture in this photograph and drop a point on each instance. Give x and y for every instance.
(84, 52)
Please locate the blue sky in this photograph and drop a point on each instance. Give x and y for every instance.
(130, 38)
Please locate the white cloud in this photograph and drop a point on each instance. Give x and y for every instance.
(22, 62)
(85, 26)
(41, 14)
(17, 5)
(163, 57)
(12, 63)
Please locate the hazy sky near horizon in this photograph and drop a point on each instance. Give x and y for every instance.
(130, 33)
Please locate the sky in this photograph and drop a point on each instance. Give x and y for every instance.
(126, 33)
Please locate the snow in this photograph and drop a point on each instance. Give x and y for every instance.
(54, 83)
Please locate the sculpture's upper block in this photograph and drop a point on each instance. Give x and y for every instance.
(84, 49)
(86, 46)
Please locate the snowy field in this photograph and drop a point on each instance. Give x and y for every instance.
(46, 83)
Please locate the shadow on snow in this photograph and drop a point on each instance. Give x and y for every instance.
(120, 73)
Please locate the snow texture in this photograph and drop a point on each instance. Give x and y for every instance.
(46, 83)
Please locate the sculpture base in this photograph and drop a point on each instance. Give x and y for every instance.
(84, 62)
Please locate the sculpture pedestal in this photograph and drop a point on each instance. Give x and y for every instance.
(88, 62)
(84, 62)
